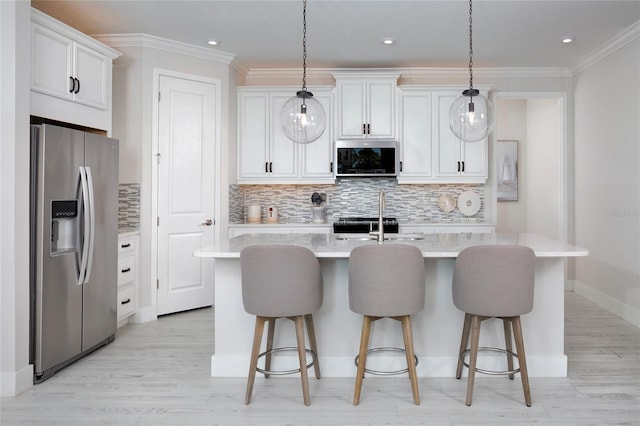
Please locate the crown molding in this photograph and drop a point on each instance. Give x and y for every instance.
(146, 40)
(621, 40)
(276, 74)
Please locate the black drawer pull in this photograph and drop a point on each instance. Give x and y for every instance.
(127, 245)
(125, 301)
(125, 270)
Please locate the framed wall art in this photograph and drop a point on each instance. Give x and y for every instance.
(507, 162)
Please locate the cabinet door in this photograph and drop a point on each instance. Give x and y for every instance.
(282, 150)
(92, 73)
(352, 110)
(253, 131)
(415, 135)
(475, 158)
(381, 109)
(51, 63)
(317, 157)
(447, 161)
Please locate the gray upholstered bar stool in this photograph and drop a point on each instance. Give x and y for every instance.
(281, 281)
(494, 281)
(386, 280)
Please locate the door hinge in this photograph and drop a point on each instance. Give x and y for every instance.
(157, 284)
(158, 221)
(158, 96)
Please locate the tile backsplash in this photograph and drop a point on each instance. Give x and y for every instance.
(128, 207)
(353, 197)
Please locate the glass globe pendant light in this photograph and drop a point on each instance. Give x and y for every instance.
(471, 114)
(303, 118)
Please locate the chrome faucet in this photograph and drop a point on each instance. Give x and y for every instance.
(381, 206)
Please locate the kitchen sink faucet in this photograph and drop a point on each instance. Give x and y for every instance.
(381, 206)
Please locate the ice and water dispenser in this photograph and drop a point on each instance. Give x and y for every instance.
(64, 226)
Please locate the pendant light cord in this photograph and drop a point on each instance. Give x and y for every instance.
(304, 45)
(470, 45)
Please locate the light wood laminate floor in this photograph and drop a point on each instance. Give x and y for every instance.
(158, 374)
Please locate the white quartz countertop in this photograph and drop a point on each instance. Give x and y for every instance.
(432, 245)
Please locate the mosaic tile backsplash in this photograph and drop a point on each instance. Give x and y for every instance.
(128, 207)
(353, 197)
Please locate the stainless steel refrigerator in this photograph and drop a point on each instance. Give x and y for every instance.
(74, 237)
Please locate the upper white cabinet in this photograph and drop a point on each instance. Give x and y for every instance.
(414, 134)
(455, 160)
(70, 74)
(429, 151)
(366, 105)
(265, 154)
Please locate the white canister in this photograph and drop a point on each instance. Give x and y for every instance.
(254, 213)
(272, 214)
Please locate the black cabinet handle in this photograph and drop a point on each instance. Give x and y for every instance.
(125, 245)
(331, 167)
(125, 301)
(364, 129)
(78, 87)
(368, 129)
(266, 167)
(401, 166)
(458, 166)
(125, 270)
(270, 167)
(463, 166)
(73, 84)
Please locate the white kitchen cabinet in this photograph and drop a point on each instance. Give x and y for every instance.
(366, 105)
(127, 276)
(414, 134)
(265, 154)
(455, 160)
(71, 74)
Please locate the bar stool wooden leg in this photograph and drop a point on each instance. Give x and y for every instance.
(311, 332)
(524, 375)
(473, 356)
(408, 346)
(362, 357)
(464, 341)
(253, 363)
(508, 324)
(302, 356)
(270, 332)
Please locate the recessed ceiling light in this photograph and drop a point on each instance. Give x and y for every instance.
(567, 40)
(387, 41)
(213, 42)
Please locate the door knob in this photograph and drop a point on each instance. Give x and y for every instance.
(208, 222)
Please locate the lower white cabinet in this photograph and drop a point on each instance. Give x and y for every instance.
(127, 276)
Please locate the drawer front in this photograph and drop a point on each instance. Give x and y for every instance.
(126, 301)
(126, 270)
(127, 245)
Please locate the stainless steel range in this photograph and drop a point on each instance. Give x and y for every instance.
(346, 225)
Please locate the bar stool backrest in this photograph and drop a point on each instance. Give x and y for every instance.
(386, 280)
(280, 280)
(494, 280)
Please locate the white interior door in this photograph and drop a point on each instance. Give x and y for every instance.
(186, 182)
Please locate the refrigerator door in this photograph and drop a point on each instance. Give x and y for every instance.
(100, 286)
(56, 242)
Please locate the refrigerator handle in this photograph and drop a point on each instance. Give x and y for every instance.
(86, 233)
(92, 223)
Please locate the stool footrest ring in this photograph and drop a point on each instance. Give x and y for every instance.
(385, 373)
(314, 358)
(491, 372)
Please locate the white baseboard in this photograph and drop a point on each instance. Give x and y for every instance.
(626, 312)
(14, 383)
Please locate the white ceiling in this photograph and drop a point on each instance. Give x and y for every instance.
(348, 33)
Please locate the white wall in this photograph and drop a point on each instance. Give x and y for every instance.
(511, 124)
(607, 181)
(16, 374)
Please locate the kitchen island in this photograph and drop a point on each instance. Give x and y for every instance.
(436, 329)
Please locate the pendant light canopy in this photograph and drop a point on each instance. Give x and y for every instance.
(471, 114)
(303, 118)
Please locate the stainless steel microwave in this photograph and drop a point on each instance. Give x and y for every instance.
(366, 157)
